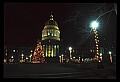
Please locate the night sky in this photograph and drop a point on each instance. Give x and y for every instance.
(24, 22)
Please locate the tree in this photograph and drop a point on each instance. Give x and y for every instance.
(38, 55)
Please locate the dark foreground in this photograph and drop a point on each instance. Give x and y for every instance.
(66, 71)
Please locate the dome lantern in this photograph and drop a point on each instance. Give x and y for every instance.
(51, 16)
(51, 21)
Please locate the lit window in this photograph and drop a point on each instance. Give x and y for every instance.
(45, 33)
(57, 46)
(58, 34)
(55, 33)
(48, 32)
(90, 50)
(52, 33)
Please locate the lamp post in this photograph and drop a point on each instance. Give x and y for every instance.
(12, 59)
(70, 49)
(94, 26)
(22, 57)
(30, 57)
(110, 56)
(98, 56)
(62, 58)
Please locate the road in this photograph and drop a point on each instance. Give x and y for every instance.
(65, 71)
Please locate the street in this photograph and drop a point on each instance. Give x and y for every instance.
(67, 71)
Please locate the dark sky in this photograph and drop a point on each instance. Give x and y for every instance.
(24, 22)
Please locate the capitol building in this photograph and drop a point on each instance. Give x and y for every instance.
(51, 38)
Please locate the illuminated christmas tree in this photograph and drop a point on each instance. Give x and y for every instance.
(38, 55)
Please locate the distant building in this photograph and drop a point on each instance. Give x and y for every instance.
(18, 54)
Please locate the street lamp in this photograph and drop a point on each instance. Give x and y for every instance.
(30, 57)
(94, 26)
(110, 56)
(70, 49)
(22, 57)
(110, 52)
(12, 59)
(62, 58)
(98, 56)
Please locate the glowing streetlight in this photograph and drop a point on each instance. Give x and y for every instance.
(70, 49)
(12, 57)
(31, 51)
(94, 24)
(22, 55)
(60, 58)
(110, 52)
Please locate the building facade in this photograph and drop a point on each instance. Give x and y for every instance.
(51, 39)
(18, 54)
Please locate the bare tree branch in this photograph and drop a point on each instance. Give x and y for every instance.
(87, 36)
(109, 15)
(100, 6)
(115, 5)
(76, 17)
(104, 13)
